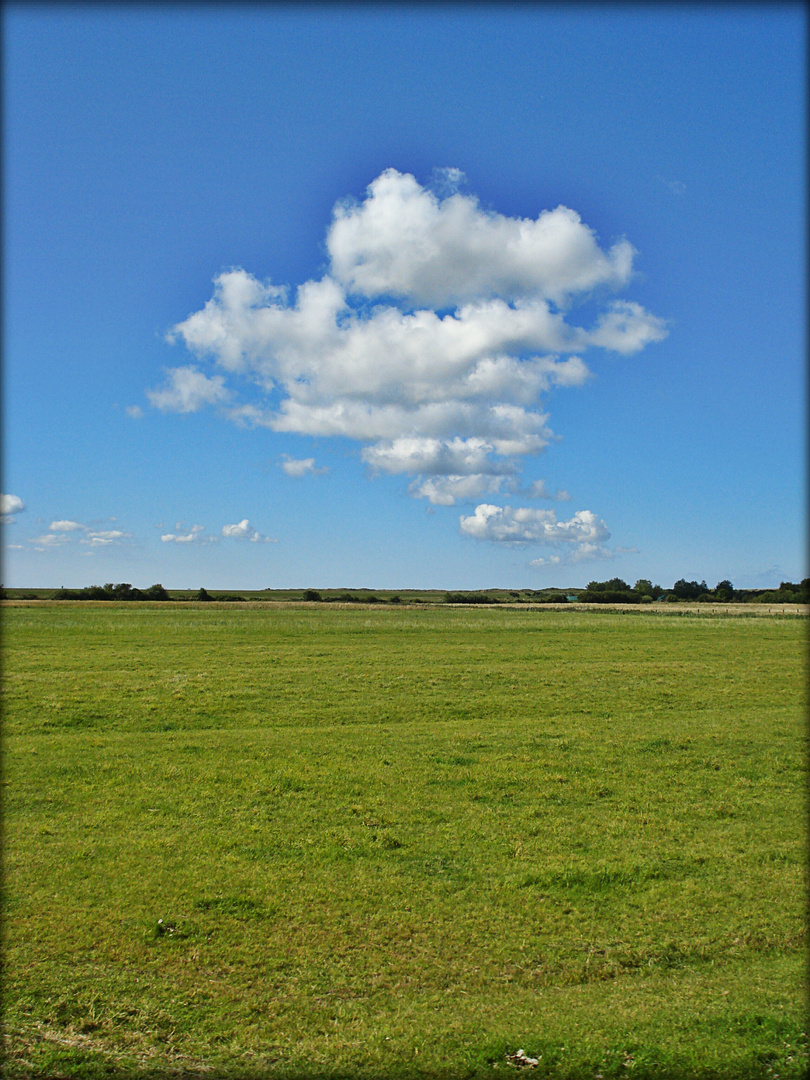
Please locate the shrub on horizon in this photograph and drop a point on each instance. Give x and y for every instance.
(469, 598)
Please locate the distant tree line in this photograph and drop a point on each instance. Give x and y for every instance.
(788, 593)
(227, 597)
(534, 596)
(123, 591)
(613, 591)
(616, 591)
(469, 598)
(313, 595)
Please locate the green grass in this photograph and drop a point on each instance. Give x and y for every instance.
(376, 842)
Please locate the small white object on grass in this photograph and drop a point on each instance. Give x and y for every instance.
(519, 1058)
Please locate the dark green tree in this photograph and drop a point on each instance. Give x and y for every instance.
(689, 590)
(615, 591)
(615, 584)
(724, 591)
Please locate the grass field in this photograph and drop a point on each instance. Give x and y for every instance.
(328, 842)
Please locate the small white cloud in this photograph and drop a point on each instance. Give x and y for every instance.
(62, 532)
(677, 187)
(188, 390)
(179, 537)
(440, 457)
(584, 552)
(447, 490)
(447, 181)
(135, 411)
(548, 560)
(626, 328)
(9, 506)
(103, 537)
(65, 526)
(538, 490)
(302, 467)
(243, 531)
(522, 525)
(250, 416)
(240, 531)
(49, 540)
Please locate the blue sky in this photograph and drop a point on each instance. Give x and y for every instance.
(403, 296)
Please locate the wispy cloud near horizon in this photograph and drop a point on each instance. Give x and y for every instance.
(302, 467)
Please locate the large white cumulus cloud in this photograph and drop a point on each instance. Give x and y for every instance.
(432, 338)
(404, 241)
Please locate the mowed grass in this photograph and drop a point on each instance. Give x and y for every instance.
(330, 843)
